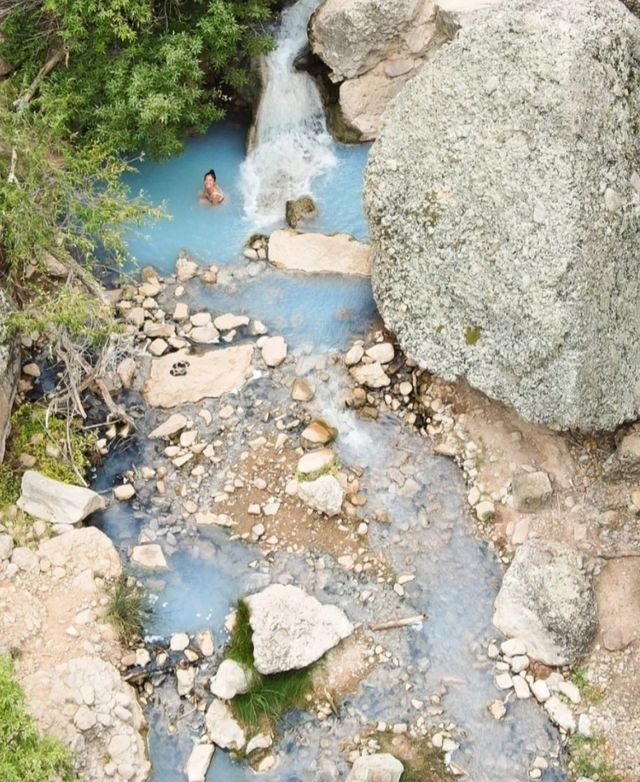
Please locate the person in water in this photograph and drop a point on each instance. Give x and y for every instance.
(211, 192)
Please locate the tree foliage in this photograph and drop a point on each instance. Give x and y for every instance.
(134, 75)
(24, 755)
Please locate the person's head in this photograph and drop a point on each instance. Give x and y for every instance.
(210, 178)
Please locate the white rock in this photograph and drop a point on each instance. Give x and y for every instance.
(124, 492)
(185, 269)
(504, 681)
(485, 510)
(521, 687)
(560, 713)
(204, 640)
(585, 727)
(204, 335)
(370, 375)
(513, 647)
(181, 311)
(228, 322)
(186, 679)
(497, 709)
(274, 351)
(57, 502)
(174, 424)
(569, 690)
(149, 555)
(291, 629)
(540, 690)
(376, 768)
(325, 494)
(230, 680)
(519, 663)
(382, 352)
(179, 642)
(354, 355)
(199, 762)
(222, 727)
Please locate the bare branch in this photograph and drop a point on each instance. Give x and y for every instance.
(23, 101)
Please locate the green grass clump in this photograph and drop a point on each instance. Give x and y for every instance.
(472, 335)
(588, 758)
(25, 756)
(421, 760)
(30, 433)
(269, 697)
(591, 693)
(125, 610)
(330, 469)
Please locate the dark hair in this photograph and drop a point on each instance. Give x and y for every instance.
(212, 172)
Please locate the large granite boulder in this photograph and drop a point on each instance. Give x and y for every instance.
(292, 629)
(547, 600)
(376, 768)
(503, 198)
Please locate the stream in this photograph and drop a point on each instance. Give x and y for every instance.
(429, 532)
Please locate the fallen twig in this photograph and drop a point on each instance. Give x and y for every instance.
(394, 623)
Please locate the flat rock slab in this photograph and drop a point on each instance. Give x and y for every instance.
(81, 550)
(292, 629)
(618, 593)
(57, 502)
(183, 377)
(317, 253)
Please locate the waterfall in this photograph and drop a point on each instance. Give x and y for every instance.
(292, 143)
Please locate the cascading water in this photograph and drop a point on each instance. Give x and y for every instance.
(292, 144)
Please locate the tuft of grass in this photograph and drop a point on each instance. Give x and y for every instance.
(591, 693)
(31, 433)
(269, 697)
(25, 756)
(472, 335)
(125, 610)
(588, 758)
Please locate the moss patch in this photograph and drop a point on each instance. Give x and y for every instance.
(330, 469)
(25, 756)
(55, 444)
(591, 693)
(421, 760)
(472, 335)
(269, 697)
(588, 758)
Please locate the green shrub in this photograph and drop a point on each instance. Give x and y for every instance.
(25, 756)
(269, 697)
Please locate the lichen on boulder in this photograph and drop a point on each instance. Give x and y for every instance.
(503, 198)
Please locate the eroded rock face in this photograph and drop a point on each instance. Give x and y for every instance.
(503, 204)
(547, 601)
(373, 47)
(291, 629)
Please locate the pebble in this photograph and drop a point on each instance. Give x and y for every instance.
(504, 681)
(497, 709)
(521, 687)
(124, 492)
(354, 355)
(513, 647)
(179, 642)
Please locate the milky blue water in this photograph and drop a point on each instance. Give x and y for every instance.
(218, 234)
